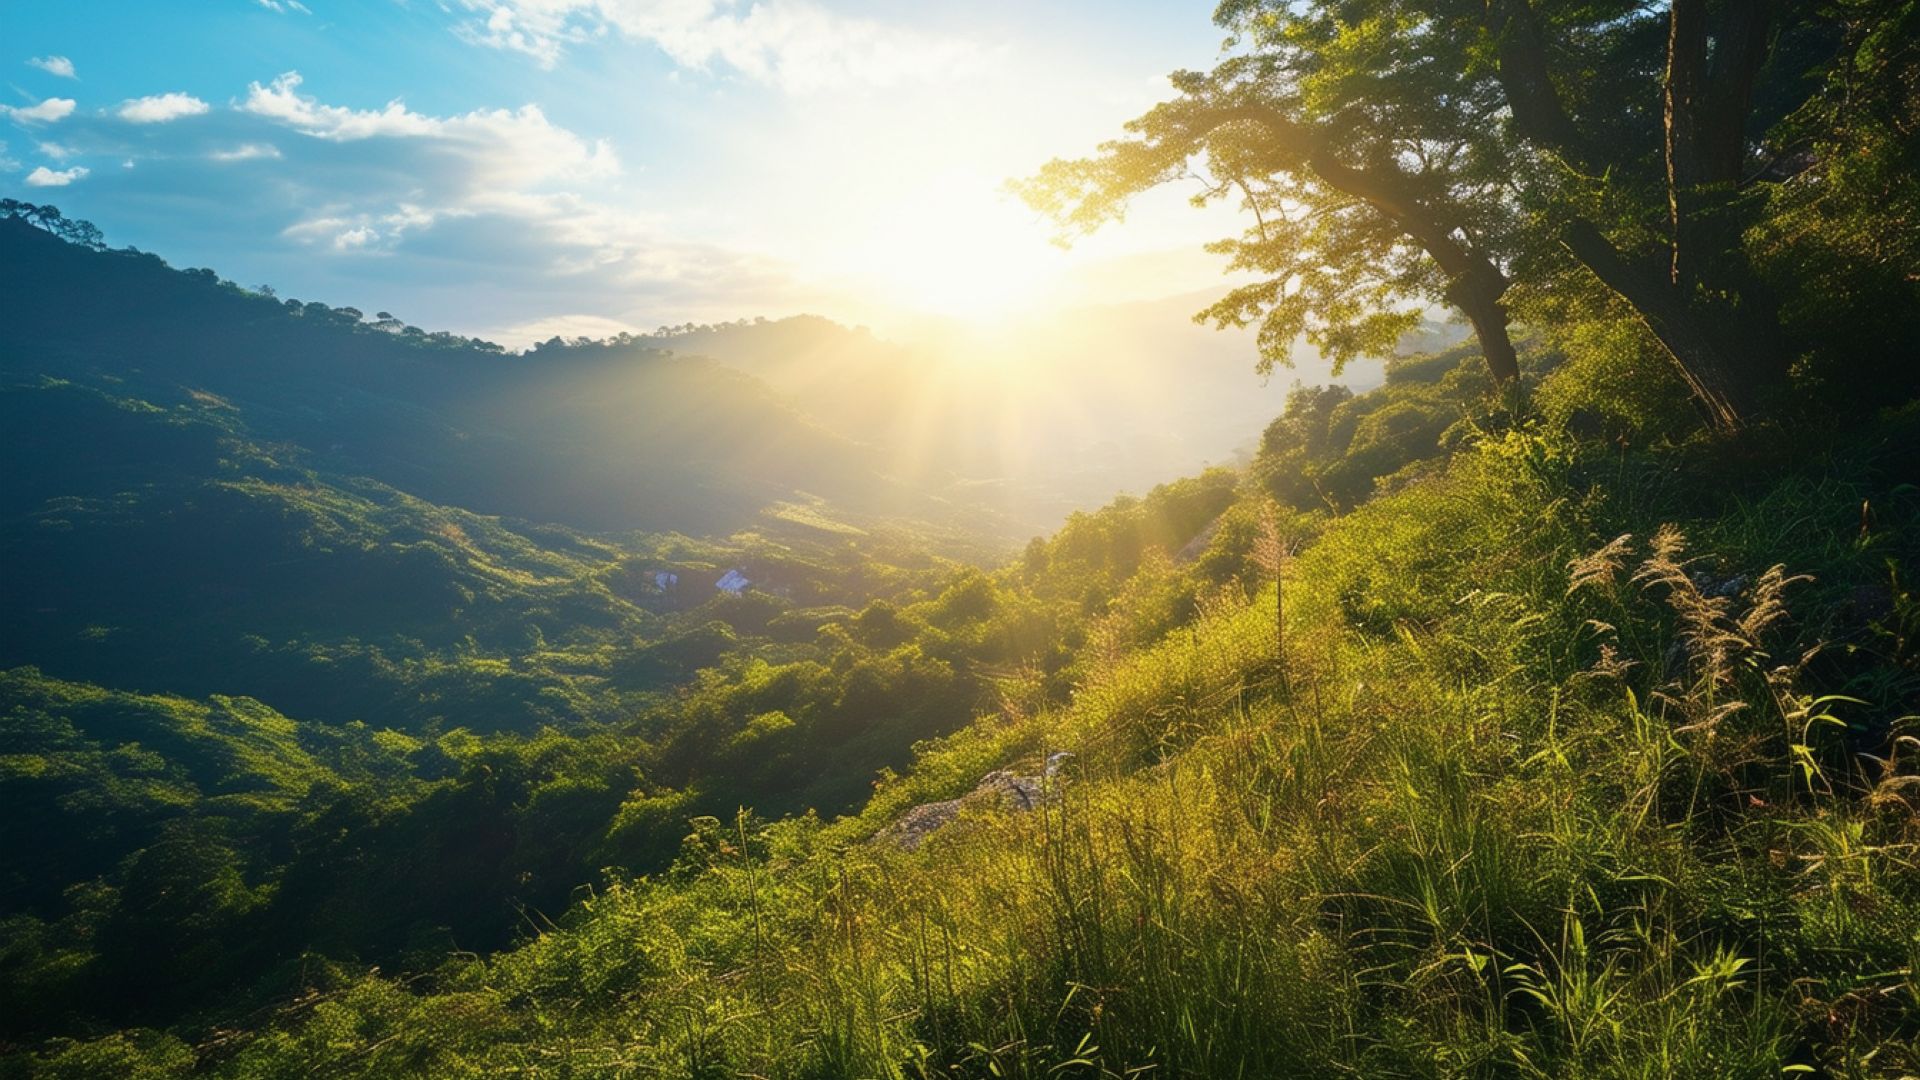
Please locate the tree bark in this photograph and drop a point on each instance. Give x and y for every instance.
(1708, 97)
(1684, 92)
(1741, 49)
(1478, 297)
(1535, 103)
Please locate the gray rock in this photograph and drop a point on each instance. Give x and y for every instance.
(1002, 788)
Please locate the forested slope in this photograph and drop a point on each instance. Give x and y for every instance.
(1555, 759)
(1548, 711)
(594, 436)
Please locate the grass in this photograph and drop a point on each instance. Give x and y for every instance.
(1526, 800)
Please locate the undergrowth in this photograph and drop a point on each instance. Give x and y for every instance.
(1549, 765)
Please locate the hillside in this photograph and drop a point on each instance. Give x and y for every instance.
(592, 437)
(1557, 757)
(1425, 714)
(234, 644)
(696, 430)
(1549, 742)
(1541, 703)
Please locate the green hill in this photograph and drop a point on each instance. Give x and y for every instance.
(594, 436)
(374, 703)
(1554, 757)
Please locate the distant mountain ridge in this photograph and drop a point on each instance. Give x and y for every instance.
(695, 429)
(1044, 417)
(594, 436)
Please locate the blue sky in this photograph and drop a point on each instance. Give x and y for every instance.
(517, 167)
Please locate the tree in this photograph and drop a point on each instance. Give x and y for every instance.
(48, 217)
(1696, 290)
(1364, 208)
(1398, 152)
(1840, 239)
(1298, 440)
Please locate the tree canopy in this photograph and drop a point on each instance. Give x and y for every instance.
(1510, 160)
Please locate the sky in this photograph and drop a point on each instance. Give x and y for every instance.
(520, 168)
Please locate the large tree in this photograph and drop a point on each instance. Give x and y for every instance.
(1372, 186)
(1395, 153)
(1668, 189)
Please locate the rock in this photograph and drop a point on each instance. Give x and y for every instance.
(1196, 545)
(1713, 587)
(1001, 788)
(912, 828)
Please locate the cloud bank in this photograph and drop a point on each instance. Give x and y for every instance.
(793, 45)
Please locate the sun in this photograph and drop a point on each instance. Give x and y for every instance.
(968, 253)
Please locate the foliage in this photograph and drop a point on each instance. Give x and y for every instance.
(1527, 801)
(1498, 721)
(1506, 158)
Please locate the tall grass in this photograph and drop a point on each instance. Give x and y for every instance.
(1489, 795)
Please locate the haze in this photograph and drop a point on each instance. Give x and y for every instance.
(537, 168)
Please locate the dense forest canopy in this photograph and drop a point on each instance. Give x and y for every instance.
(382, 702)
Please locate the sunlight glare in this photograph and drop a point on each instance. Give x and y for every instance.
(962, 250)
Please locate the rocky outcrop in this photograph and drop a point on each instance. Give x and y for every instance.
(1001, 789)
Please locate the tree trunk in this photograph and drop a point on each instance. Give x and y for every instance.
(1520, 46)
(1708, 96)
(1727, 395)
(1478, 297)
(1685, 86)
(1742, 43)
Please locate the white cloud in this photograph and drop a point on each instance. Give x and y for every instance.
(55, 65)
(46, 112)
(284, 6)
(392, 175)
(160, 108)
(281, 100)
(248, 152)
(795, 45)
(522, 335)
(358, 237)
(7, 164)
(365, 231)
(55, 151)
(503, 147)
(45, 177)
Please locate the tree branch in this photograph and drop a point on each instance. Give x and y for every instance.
(1475, 283)
(1525, 75)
